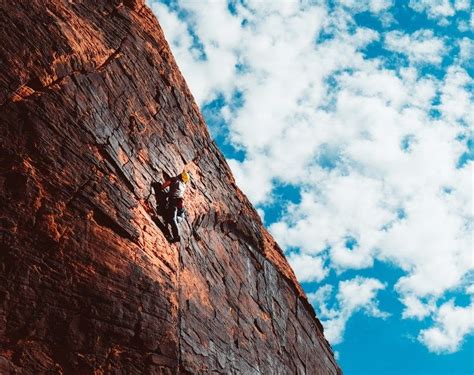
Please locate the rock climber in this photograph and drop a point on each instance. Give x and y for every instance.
(174, 206)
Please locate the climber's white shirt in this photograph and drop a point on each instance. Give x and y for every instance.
(177, 189)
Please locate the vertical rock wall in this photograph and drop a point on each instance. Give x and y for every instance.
(93, 109)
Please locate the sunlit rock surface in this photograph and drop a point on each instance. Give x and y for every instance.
(93, 109)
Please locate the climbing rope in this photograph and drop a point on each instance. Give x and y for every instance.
(179, 307)
(180, 265)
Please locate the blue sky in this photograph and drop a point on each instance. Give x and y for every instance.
(349, 125)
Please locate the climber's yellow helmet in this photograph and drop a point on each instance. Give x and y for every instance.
(185, 177)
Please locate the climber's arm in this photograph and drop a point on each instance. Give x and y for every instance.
(165, 184)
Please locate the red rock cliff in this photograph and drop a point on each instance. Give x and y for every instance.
(93, 109)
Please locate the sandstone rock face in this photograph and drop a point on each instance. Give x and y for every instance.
(93, 109)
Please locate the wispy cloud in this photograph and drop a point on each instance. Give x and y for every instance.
(440, 10)
(358, 294)
(421, 47)
(452, 324)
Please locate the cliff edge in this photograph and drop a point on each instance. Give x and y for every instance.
(93, 109)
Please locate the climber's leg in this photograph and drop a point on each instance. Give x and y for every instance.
(174, 224)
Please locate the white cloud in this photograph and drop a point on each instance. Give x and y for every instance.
(307, 268)
(415, 308)
(374, 6)
(351, 210)
(456, 96)
(361, 292)
(358, 294)
(379, 5)
(436, 9)
(452, 324)
(466, 51)
(420, 47)
(440, 10)
(462, 4)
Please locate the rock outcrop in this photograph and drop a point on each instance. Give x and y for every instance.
(93, 109)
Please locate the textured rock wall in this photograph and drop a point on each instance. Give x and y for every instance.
(93, 109)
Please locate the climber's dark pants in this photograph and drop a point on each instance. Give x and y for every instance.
(169, 208)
